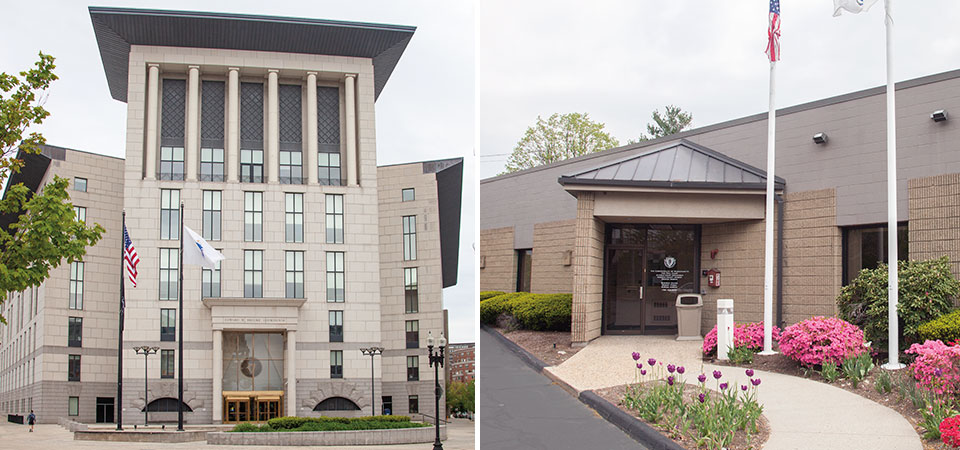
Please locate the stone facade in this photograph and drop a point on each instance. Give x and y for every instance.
(587, 272)
(552, 271)
(934, 227)
(813, 255)
(740, 262)
(498, 260)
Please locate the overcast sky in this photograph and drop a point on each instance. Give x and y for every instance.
(620, 60)
(425, 112)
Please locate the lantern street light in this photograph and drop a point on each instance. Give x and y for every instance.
(436, 361)
(145, 351)
(372, 351)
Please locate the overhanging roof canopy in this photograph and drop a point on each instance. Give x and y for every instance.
(681, 164)
(119, 28)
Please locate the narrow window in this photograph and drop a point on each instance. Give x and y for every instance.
(80, 213)
(335, 275)
(172, 129)
(336, 326)
(414, 402)
(169, 214)
(294, 274)
(413, 333)
(334, 216)
(166, 363)
(251, 133)
(387, 405)
(211, 164)
(211, 215)
(408, 195)
(410, 291)
(80, 184)
(328, 136)
(336, 363)
(76, 285)
(409, 238)
(413, 368)
(253, 216)
(294, 217)
(866, 248)
(253, 273)
(291, 134)
(73, 406)
(211, 131)
(73, 368)
(75, 331)
(171, 163)
(210, 284)
(524, 266)
(168, 325)
(169, 273)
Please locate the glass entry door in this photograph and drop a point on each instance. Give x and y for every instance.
(624, 306)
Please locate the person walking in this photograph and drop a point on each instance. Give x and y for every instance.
(31, 419)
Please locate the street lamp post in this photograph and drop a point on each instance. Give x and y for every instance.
(145, 351)
(372, 351)
(436, 361)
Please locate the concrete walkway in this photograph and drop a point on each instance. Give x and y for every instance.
(803, 414)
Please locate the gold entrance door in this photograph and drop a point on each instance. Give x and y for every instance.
(237, 409)
(268, 407)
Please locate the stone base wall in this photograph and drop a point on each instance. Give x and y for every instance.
(309, 438)
(498, 269)
(739, 259)
(586, 321)
(934, 228)
(197, 394)
(813, 255)
(310, 392)
(423, 389)
(553, 242)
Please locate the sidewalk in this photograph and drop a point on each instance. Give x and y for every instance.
(803, 414)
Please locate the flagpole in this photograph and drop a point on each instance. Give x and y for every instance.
(123, 245)
(180, 331)
(768, 232)
(893, 281)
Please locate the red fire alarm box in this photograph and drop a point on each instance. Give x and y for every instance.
(713, 278)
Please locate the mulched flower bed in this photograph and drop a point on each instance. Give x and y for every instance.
(615, 396)
(551, 347)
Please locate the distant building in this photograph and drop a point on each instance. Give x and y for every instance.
(462, 362)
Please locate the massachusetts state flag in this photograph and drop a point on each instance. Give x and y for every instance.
(197, 251)
(130, 259)
(854, 6)
(773, 32)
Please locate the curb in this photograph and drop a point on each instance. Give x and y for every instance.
(524, 355)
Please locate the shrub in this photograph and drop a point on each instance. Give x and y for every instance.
(950, 431)
(856, 368)
(544, 312)
(820, 340)
(926, 291)
(946, 328)
(741, 355)
(936, 367)
(290, 422)
(489, 294)
(491, 308)
(246, 427)
(749, 335)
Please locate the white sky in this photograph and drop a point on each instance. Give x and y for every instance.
(620, 60)
(425, 112)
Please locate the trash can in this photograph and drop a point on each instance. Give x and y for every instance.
(689, 308)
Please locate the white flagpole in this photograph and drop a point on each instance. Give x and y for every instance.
(892, 257)
(768, 235)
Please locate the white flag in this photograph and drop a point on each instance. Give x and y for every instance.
(854, 6)
(197, 251)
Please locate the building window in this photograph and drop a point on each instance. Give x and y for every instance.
(336, 363)
(524, 264)
(294, 217)
(329, 169)
(866, 248)
(334, 209)
(413, 368)
(75, 331)
(80, 213)
(409, 238)
(166, 363)
(251, 166)
(76, 285)
(413, 333)
(168, 325)
(211, 164)
(169, 274)
(172, 120)
(253, 273)
(253, 216)
(414, 402)
(408, 195)
(211, 130)
(80, 184)
(387, 407)
(336, 404)
(169, 214)
(73, 406)
(73, 368)
(294, 274)
(211, 215)
(336, 326)
(251, 132)
(291, 134)
(328, 135)
(335, 291)
(171, 163)
(210, 284)
(410, 291)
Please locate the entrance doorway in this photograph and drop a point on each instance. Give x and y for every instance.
(251, 406)
(104, 409)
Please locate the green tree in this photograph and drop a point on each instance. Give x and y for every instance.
(673, 121)
(557, 138)
(460, 396)
(46, 230)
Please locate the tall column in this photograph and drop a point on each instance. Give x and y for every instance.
(273, 127)
(233, 124)
(217, 376)
(193, 121)
(351, 107)
(291, 372)
(312, 128)
(153, 107)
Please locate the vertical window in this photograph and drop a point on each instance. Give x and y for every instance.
(413, 333)
(253, 273)
(387, 405)
(408, 195)
(335, 277)
(294, 274)
(409, 238)
(410, 291)
(75, 332)
(211, 130)
(166, 363)
(336, 326)
(73, 368)
(524, 266)
(80, 213)
(291, 134)
(172, 120)
(171, 163)
(168, 325)
(334, 208)
(414, 402)
(211, 164)
(211, 215)
(413, 368)
(251, 132)
(328, 135)
(866, 248)
(73, 406)
(210, 281)
(80, 184)
(169, 273)
(253, 216)
(169, 214)
(294, 217)
(76, 285)
(336, 363)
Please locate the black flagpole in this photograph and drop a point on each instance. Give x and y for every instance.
(180, 352)
(123, 255)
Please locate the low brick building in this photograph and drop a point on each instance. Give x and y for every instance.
(462, 361)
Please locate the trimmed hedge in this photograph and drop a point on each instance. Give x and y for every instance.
(946, 328)
(491, 308)
(330, 424)
(489, 294)
(538, 312)
(290, 422)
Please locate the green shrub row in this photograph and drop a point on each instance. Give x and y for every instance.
(330, 426)
(488, 294)
(290, 422)
(945, 328)
(538, 312)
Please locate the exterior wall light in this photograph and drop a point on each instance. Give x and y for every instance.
(939, 116)
(820, 138)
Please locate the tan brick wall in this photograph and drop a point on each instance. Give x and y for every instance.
(935, 219)
(740, 262)
(551, 241)
(587, 272)
(498, 271)
(813, 255)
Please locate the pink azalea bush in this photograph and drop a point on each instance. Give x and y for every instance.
(744, 335)
(937, 367)
(822, 339)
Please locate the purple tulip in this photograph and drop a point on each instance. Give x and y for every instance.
(643, 371)
(636, 356)
(755, 381)
(702, 378)
(743, 387)
(670, 380)
(723, 386)
(671, 368)
(639, 365)
(702, 397)
(938, 371)
(652, 361)
(681, 370)
(749, 372)
(717, 374)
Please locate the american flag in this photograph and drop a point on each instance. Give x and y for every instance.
(773, 32)
(130, 258)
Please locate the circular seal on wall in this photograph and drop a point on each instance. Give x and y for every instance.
(251, 367)
(670, 262)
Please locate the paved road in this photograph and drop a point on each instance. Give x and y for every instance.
(521, 409)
